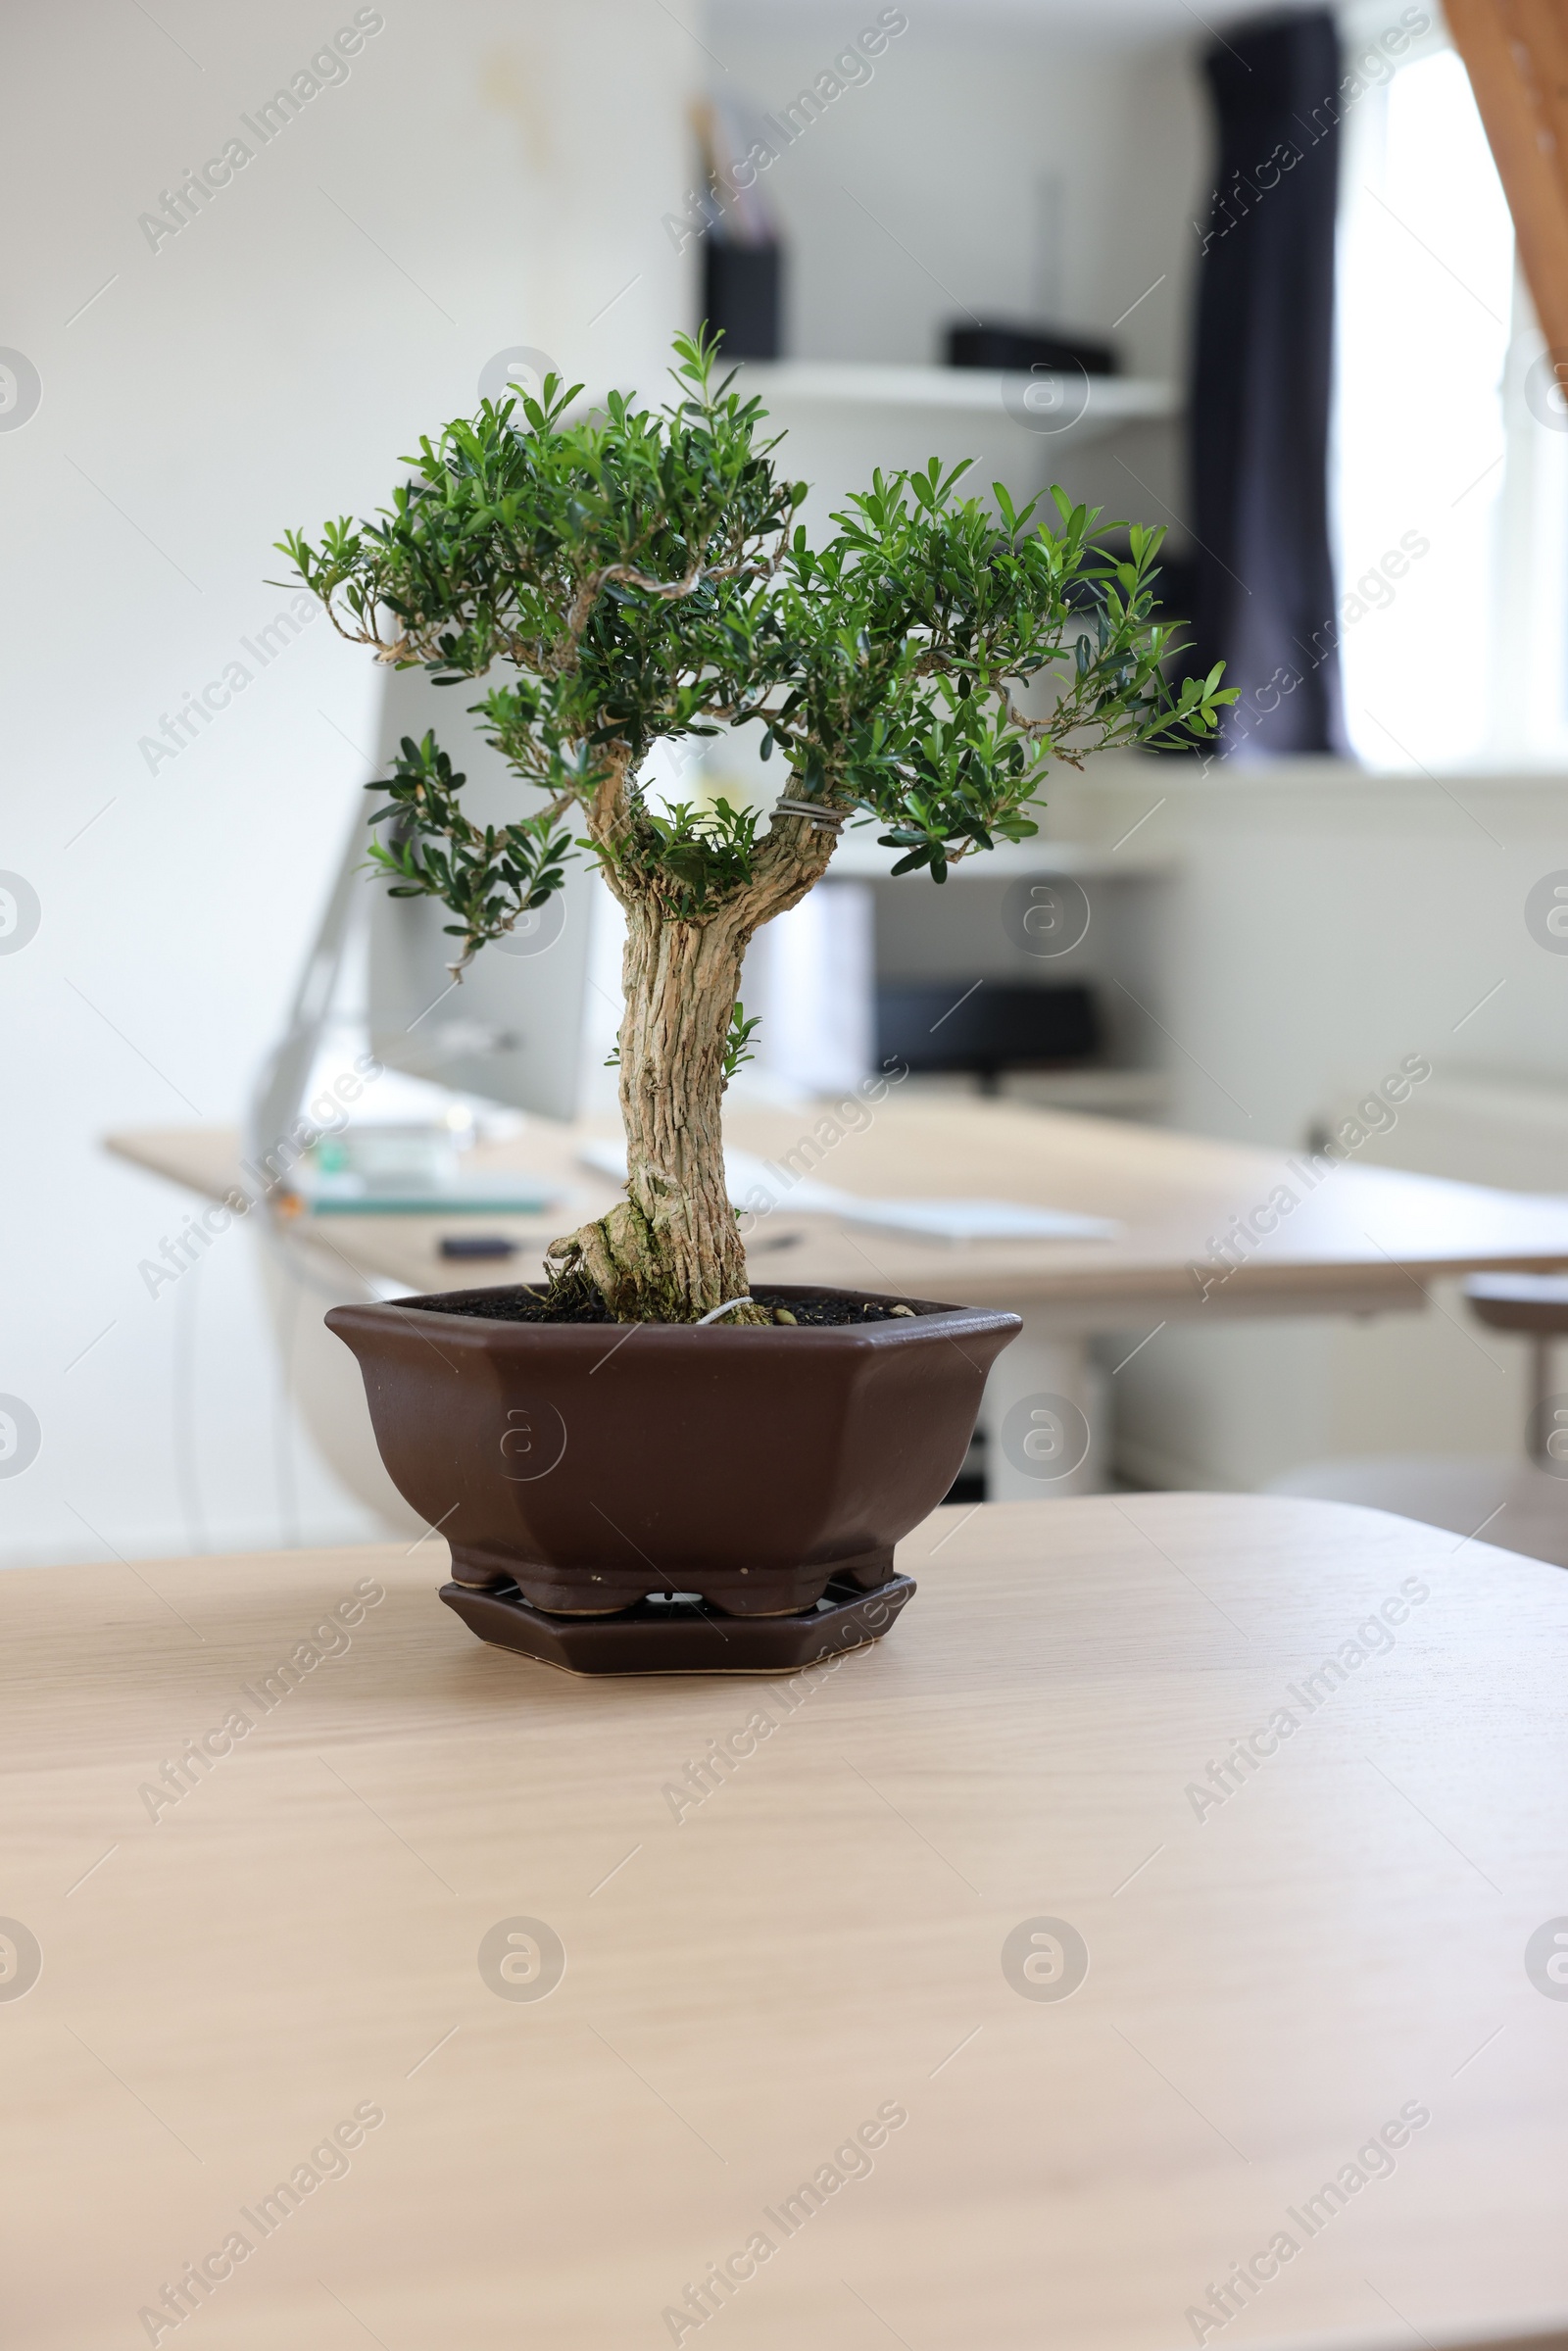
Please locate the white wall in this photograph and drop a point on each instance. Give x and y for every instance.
(506, 169)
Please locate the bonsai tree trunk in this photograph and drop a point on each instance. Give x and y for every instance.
(670, 1250)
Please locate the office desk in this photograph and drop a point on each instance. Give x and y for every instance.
(816, 1941)
(1361, 1240)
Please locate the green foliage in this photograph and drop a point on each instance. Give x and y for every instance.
(738, 1043)
(486, 877)
(923, 620)
(642, 577)
(701, 854)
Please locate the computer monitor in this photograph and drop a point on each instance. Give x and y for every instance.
(513, 1030)
(984, 1028)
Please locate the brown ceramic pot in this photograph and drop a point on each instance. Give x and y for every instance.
(595, 1463)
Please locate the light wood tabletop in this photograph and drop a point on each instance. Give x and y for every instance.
(1357, 1238)
(817, 2042)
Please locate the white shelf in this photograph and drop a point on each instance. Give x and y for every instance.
(823, 384)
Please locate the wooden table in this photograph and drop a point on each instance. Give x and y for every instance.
(1360, 1241)
(815, 1942)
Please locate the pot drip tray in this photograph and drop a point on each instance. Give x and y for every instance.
(681, 1636)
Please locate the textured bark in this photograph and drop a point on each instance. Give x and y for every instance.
(671, 1251)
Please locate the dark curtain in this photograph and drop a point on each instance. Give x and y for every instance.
(1264, 598)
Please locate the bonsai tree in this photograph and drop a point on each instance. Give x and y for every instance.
(640, 575)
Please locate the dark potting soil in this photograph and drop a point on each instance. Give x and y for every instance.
(834, 1311)
(518, 1303)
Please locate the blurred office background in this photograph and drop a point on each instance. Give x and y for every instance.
(1272, 931)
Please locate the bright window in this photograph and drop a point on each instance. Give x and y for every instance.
(1450, 467)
